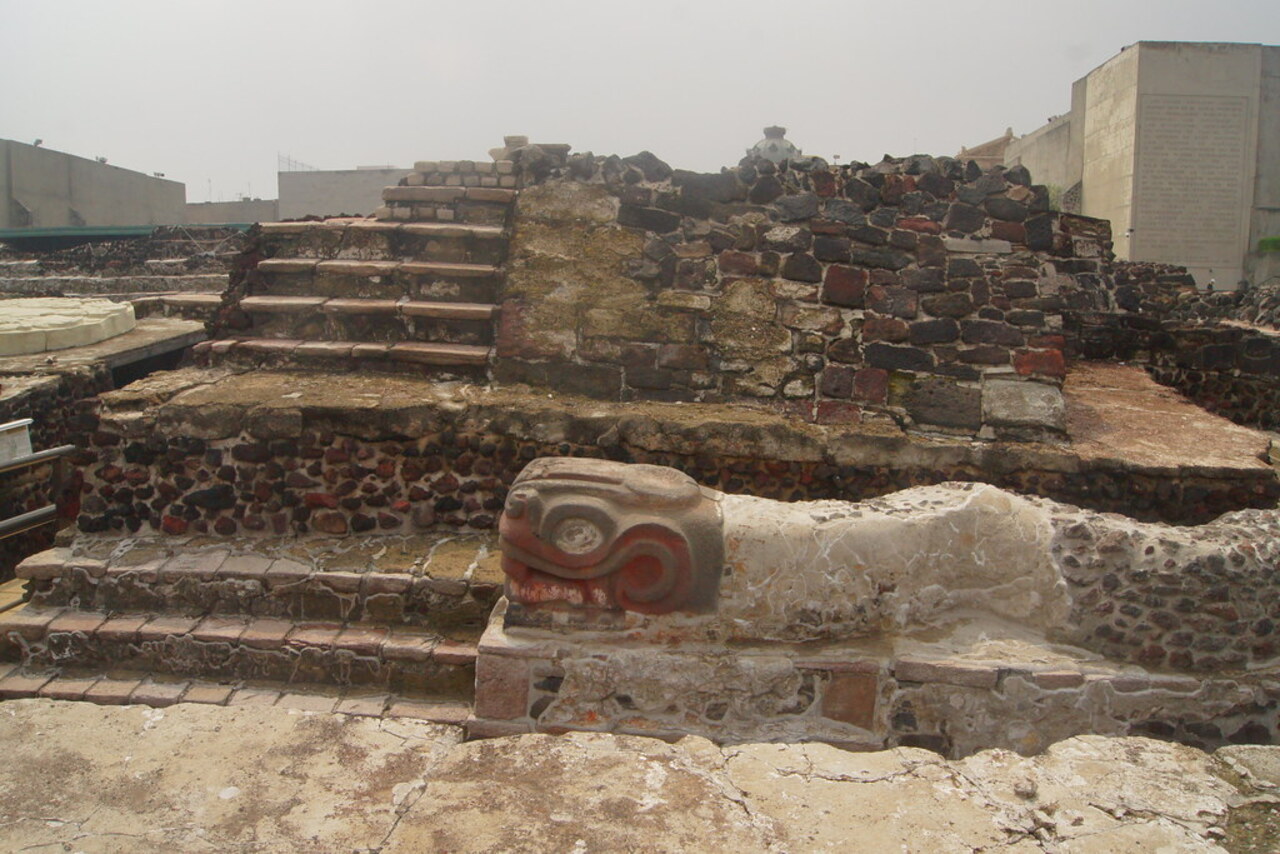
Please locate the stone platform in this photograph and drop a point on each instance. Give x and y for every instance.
(191, 777)
(975, 684)
(230, 451)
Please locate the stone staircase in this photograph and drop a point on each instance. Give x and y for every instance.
(255, 621)
(413, 290)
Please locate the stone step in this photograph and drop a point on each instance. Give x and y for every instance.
(357, 305)
(441, 361)
(312, 318)
(437, 281)
(118, 687)
(214, 581)
(402, 659)
(377, 240)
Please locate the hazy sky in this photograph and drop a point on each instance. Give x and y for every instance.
(210, 92)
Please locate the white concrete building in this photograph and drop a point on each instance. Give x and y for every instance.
(1178, 145)
(43, 188)
(331, 192)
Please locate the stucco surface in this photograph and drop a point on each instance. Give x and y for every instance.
(194, 778)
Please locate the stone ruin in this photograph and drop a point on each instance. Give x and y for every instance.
(787, 452)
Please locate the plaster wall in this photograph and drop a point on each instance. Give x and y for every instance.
(330, 193)
(1107, 145)
(254, 210)
(1045, 152)
(1195, 157)
(1261, 267)
(59, 189)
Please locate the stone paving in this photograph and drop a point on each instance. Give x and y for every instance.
(190, 777)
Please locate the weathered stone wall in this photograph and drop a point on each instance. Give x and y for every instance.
(1232, 370)
(61, 408)
(834, 293)
(305, 452)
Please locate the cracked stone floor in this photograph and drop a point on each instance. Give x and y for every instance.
(192, 778)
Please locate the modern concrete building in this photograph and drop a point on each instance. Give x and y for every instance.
(321, 192)
(1178, 144)
(244, 210)
(43, 188)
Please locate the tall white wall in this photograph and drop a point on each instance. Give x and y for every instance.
(1196, 156)
(329, 193)
(59, 189)
(1108, 143)
(1266, 195)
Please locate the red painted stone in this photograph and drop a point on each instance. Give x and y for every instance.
(330, 523)
(871, 385)
(824, 184)
(920, 224)
(877, 328)
(1014, 232)
(838, 412)
(316, 500)
(1046, 362)
(173, 525)
(845, 286)
(739, 263)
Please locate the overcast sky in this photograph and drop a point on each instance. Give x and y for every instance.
(210, 92)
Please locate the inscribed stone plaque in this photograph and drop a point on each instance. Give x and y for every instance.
(1189, 191)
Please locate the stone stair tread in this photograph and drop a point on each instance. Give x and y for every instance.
(360, 305)
(208, 299)
(424, 229)
(449, 310)
(358, 267)
(439, 354)
(281, 304)
(137, 687)
(401, 643)
(287, 265)
(408, 351)
(442, 268)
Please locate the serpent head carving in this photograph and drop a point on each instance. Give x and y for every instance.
(600, 535)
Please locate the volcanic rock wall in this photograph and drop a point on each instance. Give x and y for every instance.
(900, 290)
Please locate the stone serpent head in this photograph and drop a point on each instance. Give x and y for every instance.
(594, 534)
